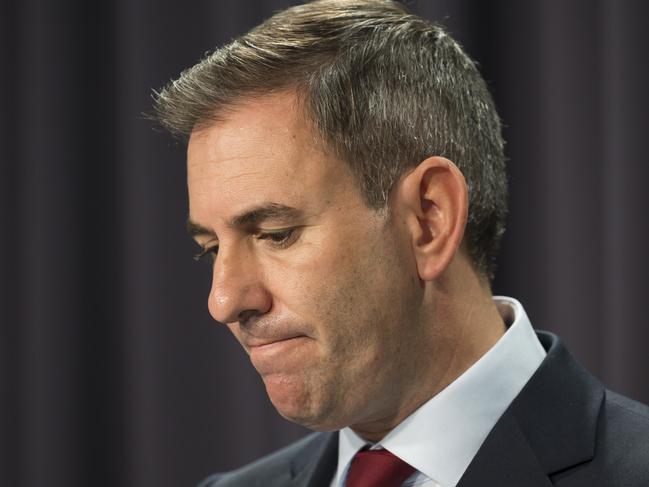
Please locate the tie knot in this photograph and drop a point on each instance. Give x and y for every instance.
(377, 468)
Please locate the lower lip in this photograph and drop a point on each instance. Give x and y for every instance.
(275, 350)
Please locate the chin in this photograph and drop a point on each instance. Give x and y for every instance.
(298, 403)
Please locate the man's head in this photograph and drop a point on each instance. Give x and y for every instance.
(383, 89)
(319, 166)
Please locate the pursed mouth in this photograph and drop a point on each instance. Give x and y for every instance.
(261, 343)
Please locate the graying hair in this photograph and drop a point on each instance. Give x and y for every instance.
(384, 89)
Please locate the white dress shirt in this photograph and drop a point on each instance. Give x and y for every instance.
(441, 437)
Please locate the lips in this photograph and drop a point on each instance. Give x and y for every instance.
(256, 342)
(278, 354)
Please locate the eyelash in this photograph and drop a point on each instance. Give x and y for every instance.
(286, 239)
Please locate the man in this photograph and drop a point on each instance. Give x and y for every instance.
(346, 174)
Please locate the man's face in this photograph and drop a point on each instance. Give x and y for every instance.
(320, 290)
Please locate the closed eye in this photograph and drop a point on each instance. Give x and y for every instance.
(280, 238)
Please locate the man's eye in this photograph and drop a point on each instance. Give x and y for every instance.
(280, 239)
(214, 249)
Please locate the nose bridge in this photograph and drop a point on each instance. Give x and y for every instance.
(236, 286)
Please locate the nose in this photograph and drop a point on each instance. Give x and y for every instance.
(238, 292)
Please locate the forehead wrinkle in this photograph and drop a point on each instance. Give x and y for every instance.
(252, 163)
(241, 135)
(212, 163)
(208, 182)
(234, 177)
(241, 175)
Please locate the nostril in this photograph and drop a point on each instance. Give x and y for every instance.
(245, 315)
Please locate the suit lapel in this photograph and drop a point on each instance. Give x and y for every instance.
(549, 427)
(505, 459)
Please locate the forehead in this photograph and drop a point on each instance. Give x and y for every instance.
(262, 151)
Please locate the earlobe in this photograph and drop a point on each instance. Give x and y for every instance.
(435, 200)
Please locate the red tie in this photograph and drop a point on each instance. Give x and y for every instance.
(377, 468)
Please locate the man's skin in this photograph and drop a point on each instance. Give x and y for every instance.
(352, 316)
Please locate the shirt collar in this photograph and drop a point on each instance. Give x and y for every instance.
(441, 437)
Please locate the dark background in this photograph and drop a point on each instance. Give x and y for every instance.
(111, 370)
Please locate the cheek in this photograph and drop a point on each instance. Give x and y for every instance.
(308, 276)
(343, 290)
(354, 298)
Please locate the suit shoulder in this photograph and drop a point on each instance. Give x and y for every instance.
(631, 410)
(626, 423)
(273, 466)
(620, 457)
(623, 439)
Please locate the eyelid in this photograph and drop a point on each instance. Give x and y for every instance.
(290, 233)
(270, 231)
(266, 231)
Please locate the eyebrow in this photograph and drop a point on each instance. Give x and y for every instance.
(254, 216)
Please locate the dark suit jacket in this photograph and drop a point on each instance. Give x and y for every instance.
(563, 429)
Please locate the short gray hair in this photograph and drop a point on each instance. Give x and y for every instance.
(385, 89)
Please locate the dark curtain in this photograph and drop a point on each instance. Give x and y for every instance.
(112, 372)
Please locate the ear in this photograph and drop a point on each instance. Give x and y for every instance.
(434, 202)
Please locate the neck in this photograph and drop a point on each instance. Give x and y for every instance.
(461, 323)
